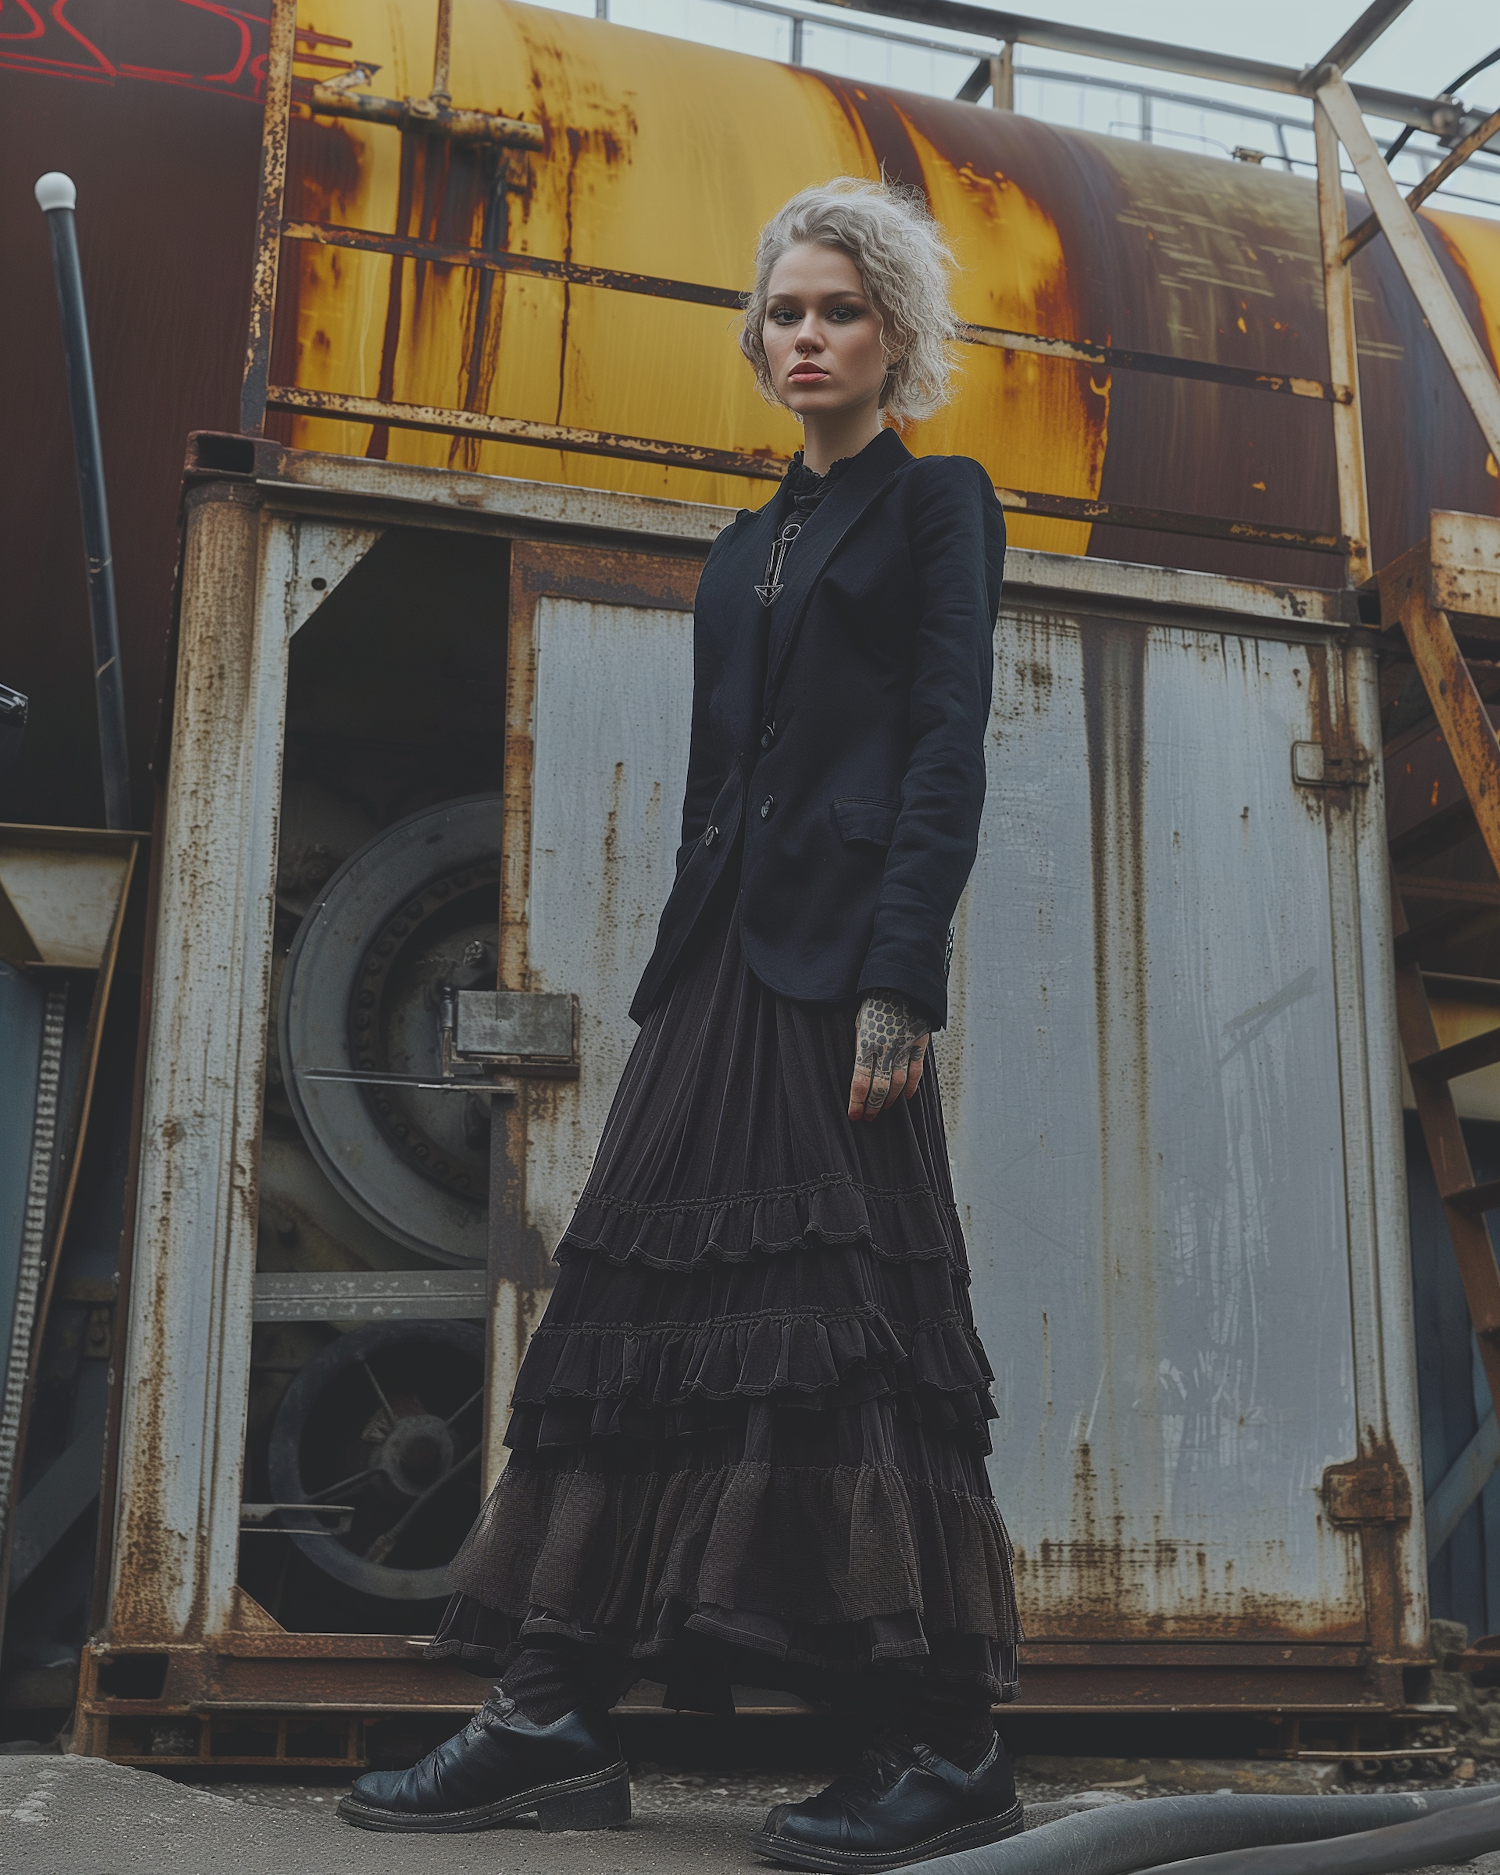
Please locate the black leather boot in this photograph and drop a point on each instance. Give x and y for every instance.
(572, 1774)
(902, 1805)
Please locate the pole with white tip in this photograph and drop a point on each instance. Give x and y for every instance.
(56, 197)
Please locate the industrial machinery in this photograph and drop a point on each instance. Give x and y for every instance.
(417, 779)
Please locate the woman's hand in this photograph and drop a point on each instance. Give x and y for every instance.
(891, 1040)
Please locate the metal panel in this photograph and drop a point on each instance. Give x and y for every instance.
(1147, 1128)
(613, 704)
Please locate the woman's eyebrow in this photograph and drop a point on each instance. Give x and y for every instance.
(836, 298)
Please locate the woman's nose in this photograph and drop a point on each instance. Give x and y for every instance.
(809, 339)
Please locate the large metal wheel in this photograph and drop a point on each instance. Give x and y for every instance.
(387, 1420)
(412, 914)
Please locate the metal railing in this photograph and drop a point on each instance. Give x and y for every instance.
(1145, 98)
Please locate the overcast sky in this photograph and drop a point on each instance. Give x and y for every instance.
(1425, 49)
(1430, 43)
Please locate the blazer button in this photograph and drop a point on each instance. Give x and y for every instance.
(768, 735)
(766, 805)
(710, 834)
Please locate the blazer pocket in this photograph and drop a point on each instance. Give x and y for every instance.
(861, 819)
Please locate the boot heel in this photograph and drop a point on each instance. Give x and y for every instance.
(605, 1806)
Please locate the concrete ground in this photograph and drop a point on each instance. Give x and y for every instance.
(79, 1816)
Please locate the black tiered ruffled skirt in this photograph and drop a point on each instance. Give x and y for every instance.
(748, 1437)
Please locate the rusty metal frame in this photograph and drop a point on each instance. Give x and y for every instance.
(1455, 336)
(1457, 569)
(270, 204)
(1343, 353)
(770, 468)
(246, 590)
(1370, 227)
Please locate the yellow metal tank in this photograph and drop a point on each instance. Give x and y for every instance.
(663, 158)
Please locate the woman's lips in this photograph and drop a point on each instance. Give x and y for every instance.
(807, 374)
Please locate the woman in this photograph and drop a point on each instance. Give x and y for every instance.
(747, 1440)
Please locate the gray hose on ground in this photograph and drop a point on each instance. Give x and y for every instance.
(1123, 1838)
(1443, 1839)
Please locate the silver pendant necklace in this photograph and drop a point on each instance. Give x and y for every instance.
(770, 591)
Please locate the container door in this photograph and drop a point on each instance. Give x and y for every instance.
(600, 695)
(1142, 1084)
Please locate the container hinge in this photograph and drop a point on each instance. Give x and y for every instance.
(1324, 765)
(1366, 1491)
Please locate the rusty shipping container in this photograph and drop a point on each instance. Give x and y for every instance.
(410, 677)
(1170, 1078)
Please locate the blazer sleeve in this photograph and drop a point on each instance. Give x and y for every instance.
(958, 553)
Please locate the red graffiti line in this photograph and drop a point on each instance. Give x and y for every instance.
(53, 68)
(37, 26)
(72, 31)
(227, 77)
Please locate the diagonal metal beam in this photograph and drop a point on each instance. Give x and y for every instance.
(1430, 183)
(1463, 1481)
(56, 1501)
(1355, 43)
(1455, 336)
(975, 85)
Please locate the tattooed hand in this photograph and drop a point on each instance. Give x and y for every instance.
(890, 1047)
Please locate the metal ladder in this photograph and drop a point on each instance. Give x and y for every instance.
(1444, 595)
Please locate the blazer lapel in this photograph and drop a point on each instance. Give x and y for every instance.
(831, 520)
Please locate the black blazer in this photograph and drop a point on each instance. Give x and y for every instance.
(844, 745)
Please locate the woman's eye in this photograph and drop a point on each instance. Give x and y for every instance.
(783, 316)
(843, 314)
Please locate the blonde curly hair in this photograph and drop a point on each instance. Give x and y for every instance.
(903, 260)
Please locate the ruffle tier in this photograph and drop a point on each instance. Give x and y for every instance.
(645, 1355)
(580, 1384)
(732, 1227)
(832, 1567)
(701, 1654)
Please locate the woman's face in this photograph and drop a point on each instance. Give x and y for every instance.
(821, 333)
